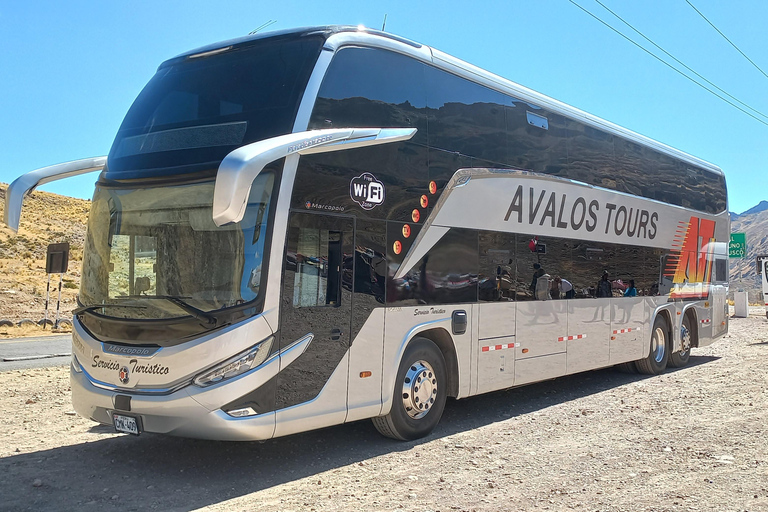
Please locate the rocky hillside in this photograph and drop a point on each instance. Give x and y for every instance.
(753, 222)
(47, 218)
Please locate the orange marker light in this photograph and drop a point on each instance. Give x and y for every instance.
(415, 215)
(424, 201)
(365, 375)
(525, 351)
(406, 230)
(397, 247)
(432, 187)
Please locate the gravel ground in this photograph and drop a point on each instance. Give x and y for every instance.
(691, 439)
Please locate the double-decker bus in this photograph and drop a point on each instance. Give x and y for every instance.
(317, 226)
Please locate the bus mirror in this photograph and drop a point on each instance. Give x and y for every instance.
(26, 183)
(240, 168)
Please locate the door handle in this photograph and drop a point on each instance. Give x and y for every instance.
(336, 334)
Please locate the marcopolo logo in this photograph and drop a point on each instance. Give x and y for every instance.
(366, 191)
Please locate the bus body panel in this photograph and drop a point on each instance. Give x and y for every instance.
(629, 315)
(366, 355)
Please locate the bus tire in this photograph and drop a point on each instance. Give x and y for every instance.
(627, 367)
(419, 395)
(680, 359)
(658, 357)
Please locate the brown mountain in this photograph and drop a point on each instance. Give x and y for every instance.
(753, 222)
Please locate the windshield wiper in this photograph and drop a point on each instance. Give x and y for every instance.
(198, 314)
(83, 309)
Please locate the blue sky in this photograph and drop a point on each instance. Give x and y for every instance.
(70, 70)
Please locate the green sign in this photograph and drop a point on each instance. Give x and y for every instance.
(738, 246)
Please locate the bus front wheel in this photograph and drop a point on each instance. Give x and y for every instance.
(658, 357)
(419, 394)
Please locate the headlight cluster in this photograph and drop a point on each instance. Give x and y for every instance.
(237, 365)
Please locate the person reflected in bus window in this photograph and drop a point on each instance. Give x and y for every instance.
(554, 290)
(565, 288)
(537, 273)
(604, 286)
(543, 287)
(631, 291)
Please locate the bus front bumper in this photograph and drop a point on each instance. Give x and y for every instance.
(180, 413)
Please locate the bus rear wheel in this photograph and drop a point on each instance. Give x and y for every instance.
(657, 359)
(419, 395)
(680, 359)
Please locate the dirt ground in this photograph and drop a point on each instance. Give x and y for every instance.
(691, 439)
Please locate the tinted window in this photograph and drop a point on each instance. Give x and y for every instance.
(537, 139)
(366, 270)
(368, 87)
(590, 155)
(323, 181)
(630, 172)
(540, 262)
(590, 261)
(466, 117)
(497, 266)
(198, 110)
(446, 275)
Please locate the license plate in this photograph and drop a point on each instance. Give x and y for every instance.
(127, 424)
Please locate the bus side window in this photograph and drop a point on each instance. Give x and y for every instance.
(721, 270)
(133, 265)
(317, 281)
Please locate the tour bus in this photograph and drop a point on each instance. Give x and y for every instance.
(316, 226)
(762, 270)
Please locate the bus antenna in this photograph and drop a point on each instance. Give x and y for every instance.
(262, 26)
(384, 24)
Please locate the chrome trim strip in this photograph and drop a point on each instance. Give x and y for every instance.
(26, 183)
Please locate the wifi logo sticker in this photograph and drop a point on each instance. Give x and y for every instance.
(367, 191)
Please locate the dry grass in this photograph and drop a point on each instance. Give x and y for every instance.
(47, 218)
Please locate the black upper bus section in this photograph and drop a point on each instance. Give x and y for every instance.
(197, 109)
(464, 124)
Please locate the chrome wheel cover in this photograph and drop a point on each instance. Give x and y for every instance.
(419, 389)
(658, 344)
(685, 336)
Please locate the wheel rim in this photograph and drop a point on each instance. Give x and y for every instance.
(419, 389)
(659, 345)
(685, 335)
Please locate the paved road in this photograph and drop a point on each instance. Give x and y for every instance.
(37, 352)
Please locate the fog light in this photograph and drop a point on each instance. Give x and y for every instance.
(237, 365)
(241, 413)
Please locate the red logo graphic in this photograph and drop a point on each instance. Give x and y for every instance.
(123, 375)
(690, 264)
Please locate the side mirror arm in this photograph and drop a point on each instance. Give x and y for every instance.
(240, 168)
(26, 183)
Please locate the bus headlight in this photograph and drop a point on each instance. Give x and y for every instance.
(237, 365)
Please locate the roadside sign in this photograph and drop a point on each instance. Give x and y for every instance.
(737, 248)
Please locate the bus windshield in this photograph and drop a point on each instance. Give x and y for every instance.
(155, 253)
(196, 110)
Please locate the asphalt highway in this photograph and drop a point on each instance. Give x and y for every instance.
(35, 352)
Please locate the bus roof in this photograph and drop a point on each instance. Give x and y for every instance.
(340, 35)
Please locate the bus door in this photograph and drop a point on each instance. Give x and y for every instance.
(315, 302)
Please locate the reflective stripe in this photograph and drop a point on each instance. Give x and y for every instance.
(622, 331)
(569, 338)
(491, 348)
